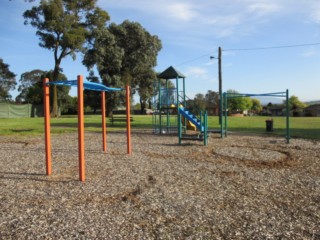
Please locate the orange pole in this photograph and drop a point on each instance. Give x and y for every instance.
(81, 130)
(129, 150)
(103, 115)
(46, 105)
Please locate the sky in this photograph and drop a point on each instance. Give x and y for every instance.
(267, 45)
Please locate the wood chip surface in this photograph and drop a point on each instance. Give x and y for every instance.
(240, 187)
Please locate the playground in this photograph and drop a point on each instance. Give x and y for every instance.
(240, 187)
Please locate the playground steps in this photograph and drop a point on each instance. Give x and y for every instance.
(192, 118)
(192, 138)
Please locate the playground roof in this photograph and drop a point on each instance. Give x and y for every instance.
(86, 85)
(171, 73)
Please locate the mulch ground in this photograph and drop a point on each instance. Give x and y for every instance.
(240, 187)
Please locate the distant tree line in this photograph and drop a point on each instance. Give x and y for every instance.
(210, 102)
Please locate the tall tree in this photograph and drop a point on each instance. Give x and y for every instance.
(7, 81)
(199, 103)
(212, 102)
(29, 80)
(256, 105)
(64, 27)
(239, 103)
(295, 103)
(124, 53)
(31, 88)
(92, 98)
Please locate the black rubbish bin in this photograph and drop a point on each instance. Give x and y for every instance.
(269, 125)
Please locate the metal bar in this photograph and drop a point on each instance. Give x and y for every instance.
(129, 150)
(221, 112)
(103, 118)
(81, 130)
(46, 99)
(287, 117)
(226, 116)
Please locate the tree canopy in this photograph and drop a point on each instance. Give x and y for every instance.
(64, 27)
(29, 80)
(239, 103)
(124, 54)
(7, 81)
(295, 103)
(31, 89)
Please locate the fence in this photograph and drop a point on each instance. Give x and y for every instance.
(8, 110)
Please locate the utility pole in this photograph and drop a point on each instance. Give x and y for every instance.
(220, 85)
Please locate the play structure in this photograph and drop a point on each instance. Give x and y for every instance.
(81, 85)
(171, 109)
(224, 104)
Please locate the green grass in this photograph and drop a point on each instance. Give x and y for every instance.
(300, 127)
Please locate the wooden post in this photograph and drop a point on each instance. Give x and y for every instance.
(46, 105)
(129, 150)
(81, 130)
(103, 115)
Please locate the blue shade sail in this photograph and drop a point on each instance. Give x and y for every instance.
(86, 85)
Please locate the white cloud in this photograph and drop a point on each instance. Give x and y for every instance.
(181, 11)
(315, 13)
(220, 19)
(197, 72)
(310, 53)
(263, 8)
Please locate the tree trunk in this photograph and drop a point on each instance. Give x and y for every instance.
(143, 106)
(55, 106)
(150, 104)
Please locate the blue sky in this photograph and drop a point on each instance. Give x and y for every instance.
(191, 31)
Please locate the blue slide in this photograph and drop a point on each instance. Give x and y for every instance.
(192, 118)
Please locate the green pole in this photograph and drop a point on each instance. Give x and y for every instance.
(226, 114)
(160, 103)
(287, 118)
(205, 132)
(179, 116)
(184, 100)
(221, 112)
(167, 96)
(184, 93)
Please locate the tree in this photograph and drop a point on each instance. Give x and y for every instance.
(256, 105)
(199, 103)
(295, 103)
(92, 98)
(146, 89)
(238, 103)
(64, 27)
(31, 89)
(7, 81)
(29, 85)
(212, 102)
(124, 54)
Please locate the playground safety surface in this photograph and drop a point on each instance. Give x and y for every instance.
(240, 187)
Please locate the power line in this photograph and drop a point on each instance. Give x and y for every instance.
(195, 59)
(272, 47)
(249, 49)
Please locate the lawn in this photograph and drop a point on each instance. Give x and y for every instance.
(299, 127)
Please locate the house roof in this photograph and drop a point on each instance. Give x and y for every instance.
(171, 73)
(312, 107)
(86, 85)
